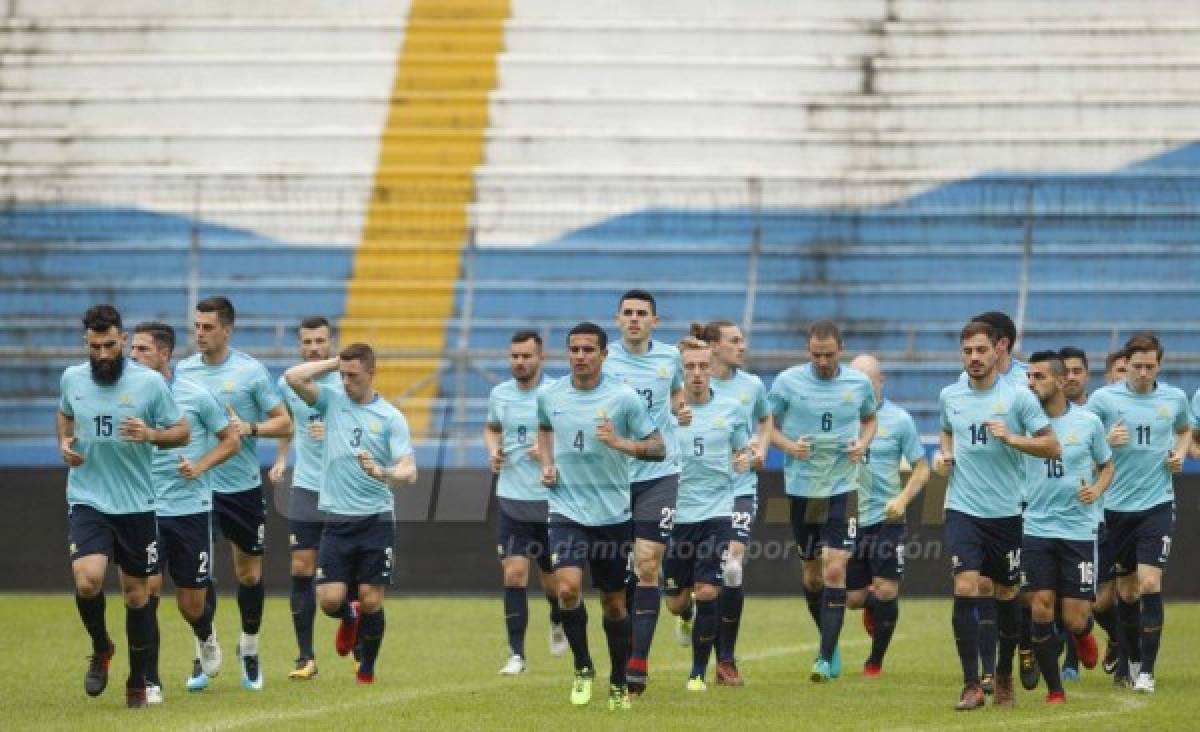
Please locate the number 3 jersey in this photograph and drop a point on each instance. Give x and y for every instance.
(653, 375)
(988, 476)
(1054, 510)
(350, 428)
(514, 411)
(1142, 478)
(593, 479)
(115, 476)
(706, 447)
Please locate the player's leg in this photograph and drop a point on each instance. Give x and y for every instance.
(838, 535)
(91, 542)
(607, 561)
(154, 684)
(515, 569)
(1153, 550)
(1040, 567)
(374, 622)
(333, 577)
(712, 548)
(732, 598)
(569, 552)
(1104, 609)
(986, 613)
(1002, 563)
(964, 544)
(1122, 533)
(135, 552)
(304, 538)
(653, 513)
(806, 531)
(540, 552)
(885, 563)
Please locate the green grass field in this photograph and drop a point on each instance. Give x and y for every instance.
(439, 662)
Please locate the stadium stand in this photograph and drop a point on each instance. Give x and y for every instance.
(895, 165)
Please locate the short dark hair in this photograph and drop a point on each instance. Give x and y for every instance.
(1072, 352)
(162, 334)
(359, 352)
(589, 328)
(825, 329)
(100, 318)
(642, 295)
(978, 327)
(220, 305)
(1005, 328)
(1144, 342)
(1057, 367)
(315, 321)
(527, 335)
(1112, 358)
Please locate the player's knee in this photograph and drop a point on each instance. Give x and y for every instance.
(1042, 610)
(834, 575)
(965, 587)
(1149, 585)
(731, 571)
(647, 568)
(191, 604)
(136, 594)
(569, 594)
(248, 575)
(886, 591)
(1127, 589)
(677, 603)
(812, 577)
(613, 605)
(515, 576)
(705, 593)
(856, 599)
(302, 566)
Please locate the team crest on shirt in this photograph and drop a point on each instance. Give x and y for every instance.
(848, 396)
(375, 426)
(883, 432)
(228, 385)
(1162, 411)
(719, 422)
(744, 397)
(1072, 438)
(663, 372)
(602, 413)
(1000, 408)
(125, 400)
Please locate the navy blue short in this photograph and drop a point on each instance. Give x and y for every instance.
(305, 520)
(603, 549)
(524, 531)
(1104, 557)
(185, 544)
(990, 546)
(242, 519)
(131, 539)
(878, 552)
(653, 504)
(695, 554)
(1140, 537)
(745, 511)
(818, 522)
(1065, 566)
(357, 550)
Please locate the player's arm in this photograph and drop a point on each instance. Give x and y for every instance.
(1041, 444)
(943, 460)
(1104, 478)
(227, 446)
(1183, 444)
(66, 440)
(866, 433)
(896, 507)
(650, 448)
(302, 378)
(761, 442)
(680, 408)
(133, 429)
(399, 473)
(545, 447)
(1194, 450)
(282, 447)
(800, 448)
(492, 439)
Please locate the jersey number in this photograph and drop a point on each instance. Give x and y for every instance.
(104, 425)
(1087, 573)
(203, 568)
(741, 520)
(1143, 434)
(356, 439)
(827, 421)
(698, 447)
(978, 434)
(648, 395)
(522, 435)
(867, 456)
(578, 443)
(668, 519)
(1054, 468)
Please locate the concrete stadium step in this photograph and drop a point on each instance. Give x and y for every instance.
(1036, 10)
(1008, 74)
(147, 9)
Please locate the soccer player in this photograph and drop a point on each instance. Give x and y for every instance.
(1061, 521)
(652, 368)
(730, 380)
(1139, 510)
(877, 565)
(368, 452)
(183, 499)
(713, 447)
(589, 425)
(255, 410)
(1116, 367)
(987, 423)
(511, 439)
(826, 420)
(111, 415)
(305, 520)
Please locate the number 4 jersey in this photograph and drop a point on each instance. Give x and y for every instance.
(1052, 484)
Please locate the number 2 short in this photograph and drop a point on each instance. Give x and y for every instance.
(131, 539)
(653, 505)
(990, 546)
(185, 543)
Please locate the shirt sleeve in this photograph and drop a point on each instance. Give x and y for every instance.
(944, 413)
(677, 378)
(1183, 414)
(214, 417)
(740, 438)
(1030, 414)
(868, 406)
(163, 409)
(493, 412)
(1098, 405)
(543, 417)
(638, 421)
(325, 397)
(265, 394)
(759, 408)
(1196, 411)
(65, 403)
(910, 442)
(1101, 452)
(777, 398)
(399, 440)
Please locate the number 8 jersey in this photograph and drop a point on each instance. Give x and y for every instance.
(514, 411)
